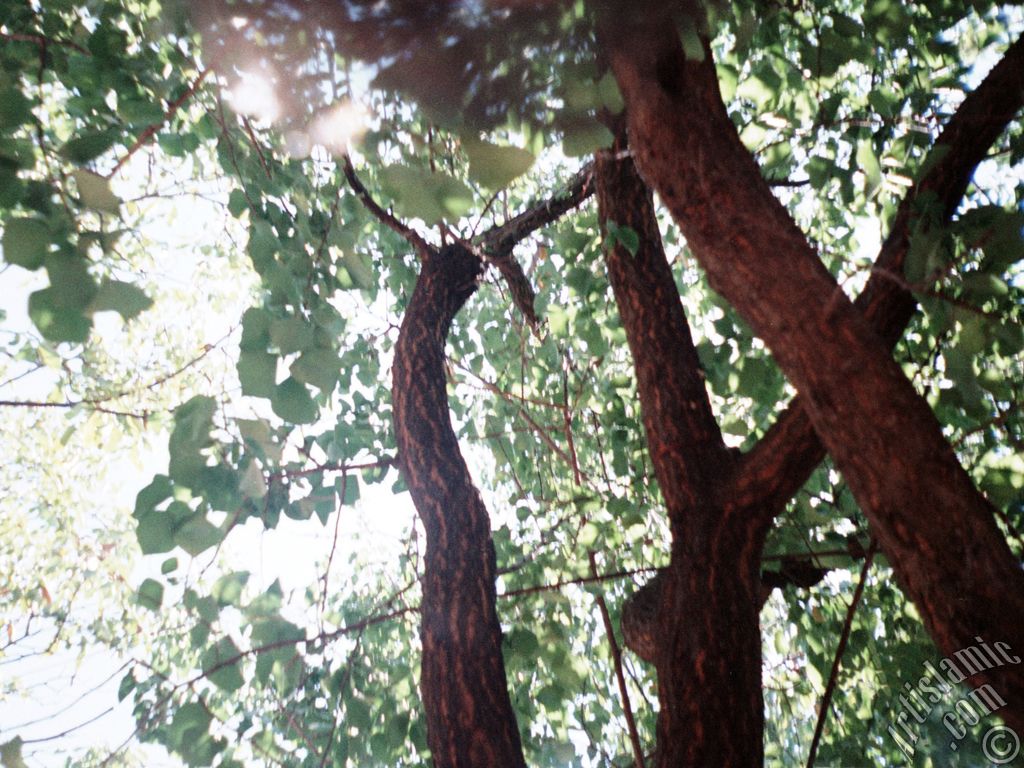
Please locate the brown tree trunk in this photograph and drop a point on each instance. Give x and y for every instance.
(784, 458)
(708, 646)
(470, 721)
(938, 532)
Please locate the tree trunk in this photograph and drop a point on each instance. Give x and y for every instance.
(938, 532)
(708, 645)
(470, 721)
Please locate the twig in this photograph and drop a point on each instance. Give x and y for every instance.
(388, 219)
(627, 708)
(42, 41)
(73, 404)
(256, 145)
(570, 582)
(833, 677)
(151, 130)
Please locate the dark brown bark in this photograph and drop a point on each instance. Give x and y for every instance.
(708, 649)
(497, 243)
(938, 532)
(784, 458)
(470, 721)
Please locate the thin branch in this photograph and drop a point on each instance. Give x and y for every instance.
(833, 677)
(620, 678)
(151, 130)
(388, 219)
(538, 588)
(73, 404)
(539, 214)
(387, 461)
(42, 41)
(497, 243)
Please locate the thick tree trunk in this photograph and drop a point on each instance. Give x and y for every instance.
(782, 461)
(707, 647)
(938, 532)
(470, 721)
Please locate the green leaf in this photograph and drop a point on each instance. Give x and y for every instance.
(227, 590)
(257, 373)
(292, 402)
(10, 754)
(584, 137)
(151, 594)
(189, 725)
(319, 367)
(159, 489)
(95, 191)
(56, 322)
(291, 334)
(359, 268)
(127, 685)
(26, 242)
(867, 161)
(252, 484)
(263, 244)
(71, 284)
(15, 108)
(280, 639)
(155, 532)
(126, 299)
(609, 94)
(494, 166)
(88, 146)
(238, 203)
(420, 194)
(192, 424)
(197, 535)
(255, 330)
(220, 665)
(141, 112)
(982, 285)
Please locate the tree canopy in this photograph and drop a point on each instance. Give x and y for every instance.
(648, 376)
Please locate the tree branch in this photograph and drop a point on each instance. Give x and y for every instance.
(151, 130)
(91, 405)
(620, 678)
(497, 243)
(937, 529)
(833, 677)
(779, 465)
(388, 219)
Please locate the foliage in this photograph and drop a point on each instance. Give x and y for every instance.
(839, 103)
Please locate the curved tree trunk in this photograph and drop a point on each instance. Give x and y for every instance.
(938, 531)
(707, 647)
(470, 721)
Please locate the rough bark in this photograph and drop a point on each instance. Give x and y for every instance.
(708, 638)
(937, 530)
(498, 242)
(470, 721)
(782, 461)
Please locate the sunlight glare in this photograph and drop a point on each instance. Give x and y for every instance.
(254, 96)
(339, 126)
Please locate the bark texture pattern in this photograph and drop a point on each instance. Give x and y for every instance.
(470, 721)
(937, 529)
(706, 646)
